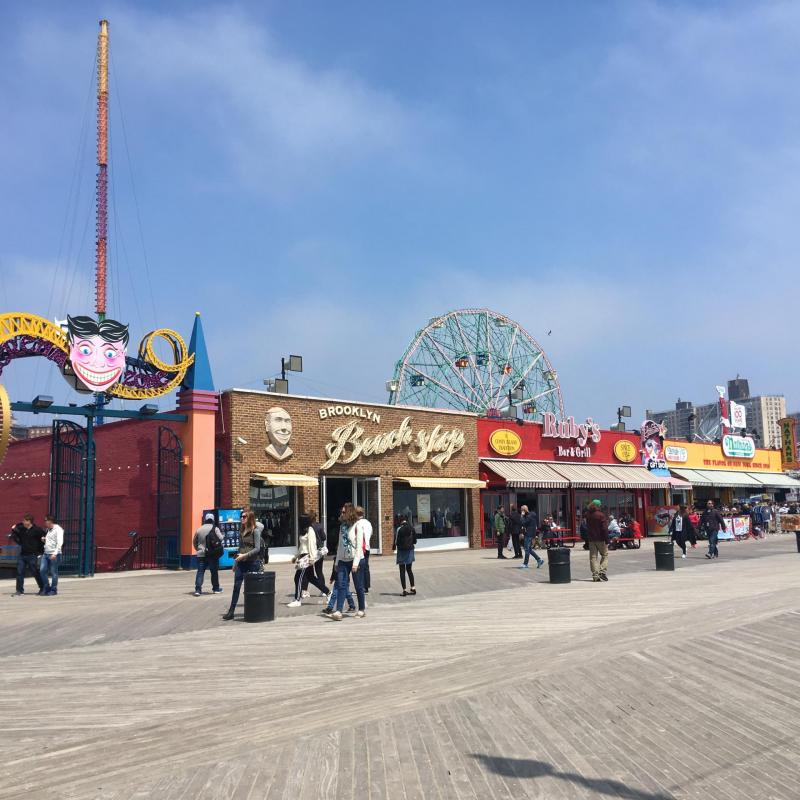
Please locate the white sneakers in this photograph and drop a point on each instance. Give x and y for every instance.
(304, 594)
(684, 555)
(294, 604)
(337, 616)
(361, 613)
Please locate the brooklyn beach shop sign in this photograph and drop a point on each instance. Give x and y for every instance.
(348, 442)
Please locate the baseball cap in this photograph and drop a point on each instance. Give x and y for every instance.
(208, 518)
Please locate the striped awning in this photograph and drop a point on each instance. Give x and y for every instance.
(286, 479)
(526, 474)
(729, 479)
(775, 480)
(421, 482)
(636, 477)
(588, 476)
(693, 476)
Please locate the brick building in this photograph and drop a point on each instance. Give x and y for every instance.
(125, 491)
(284, 455)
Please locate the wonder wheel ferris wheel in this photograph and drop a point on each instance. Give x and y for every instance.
(480, 361)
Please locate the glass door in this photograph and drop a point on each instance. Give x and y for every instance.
(368, 494)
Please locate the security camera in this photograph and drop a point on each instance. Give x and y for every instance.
(241, 440)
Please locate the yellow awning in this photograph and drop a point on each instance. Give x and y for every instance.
(418, 482)
(286, 479)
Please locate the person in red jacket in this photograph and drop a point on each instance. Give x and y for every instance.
(597, 534)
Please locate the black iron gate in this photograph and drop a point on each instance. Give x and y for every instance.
(168, 509)
(72, 495)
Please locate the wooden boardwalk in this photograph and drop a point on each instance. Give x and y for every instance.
(489, 684)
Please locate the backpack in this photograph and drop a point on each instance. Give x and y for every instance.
(214, 547)
(405, 537)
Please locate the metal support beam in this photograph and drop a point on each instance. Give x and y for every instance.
(93, 412)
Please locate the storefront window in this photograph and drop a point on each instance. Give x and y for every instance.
(274, 506)
(434, 513)
(621, 504)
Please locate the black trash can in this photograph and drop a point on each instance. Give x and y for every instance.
(558, 564)
(665, 555)
(259, 596)
(797, 534)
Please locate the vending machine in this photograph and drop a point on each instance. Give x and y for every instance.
(228, 520)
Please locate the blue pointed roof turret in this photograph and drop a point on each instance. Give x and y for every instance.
(198, 376)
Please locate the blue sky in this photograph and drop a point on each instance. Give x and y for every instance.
(322, 178)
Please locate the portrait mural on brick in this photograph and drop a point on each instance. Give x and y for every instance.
(278, 423)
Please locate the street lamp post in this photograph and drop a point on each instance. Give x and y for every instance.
(288, 364)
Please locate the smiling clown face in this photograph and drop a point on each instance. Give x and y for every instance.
(97, 351)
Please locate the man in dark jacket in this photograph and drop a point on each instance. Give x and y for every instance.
(515, 526)
(712, 522)
(530, 524)
(597, 534)
(30, 538)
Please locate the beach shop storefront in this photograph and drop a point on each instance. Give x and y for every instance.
(286, 455)
(557, 467)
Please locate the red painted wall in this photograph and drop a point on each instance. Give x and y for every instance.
(126, 484)
(537, 448)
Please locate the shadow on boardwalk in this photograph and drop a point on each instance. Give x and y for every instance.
(529, 768)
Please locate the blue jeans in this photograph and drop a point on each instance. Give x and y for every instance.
(529, 551)
(210, 564)
(238, 576)
(712, 543)
(335, 593)
(49, 568)
(25, 563)
(343, 571)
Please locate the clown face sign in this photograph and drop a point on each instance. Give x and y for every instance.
(97, 351)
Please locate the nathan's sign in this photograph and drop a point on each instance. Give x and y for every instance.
(581, 434)
(738, 446)
(348, 443)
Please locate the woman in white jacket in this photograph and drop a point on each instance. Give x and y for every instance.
(307, 554)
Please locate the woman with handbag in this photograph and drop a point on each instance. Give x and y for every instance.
(307, 555)
(248, 559)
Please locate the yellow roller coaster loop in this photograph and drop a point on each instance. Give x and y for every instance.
(16, 324)
(20, 324)
(5, 422)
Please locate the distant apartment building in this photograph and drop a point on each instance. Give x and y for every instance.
(688, 421)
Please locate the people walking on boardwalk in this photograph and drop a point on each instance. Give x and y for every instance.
(405, 537)
(304, 561)
(29, 537)
(499, 524)
(711, 523)
(530, 525)
(51, 558)
(583, 529)
(365, 534)
(322, 551)
(344, 515)
(515, 530)
(248, 558)
(681, 530)
(207, 543)
(597, 534)
(349, 556)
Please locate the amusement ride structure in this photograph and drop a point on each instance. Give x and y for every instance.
(92, 355)
(477, 360)
(82, 349)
